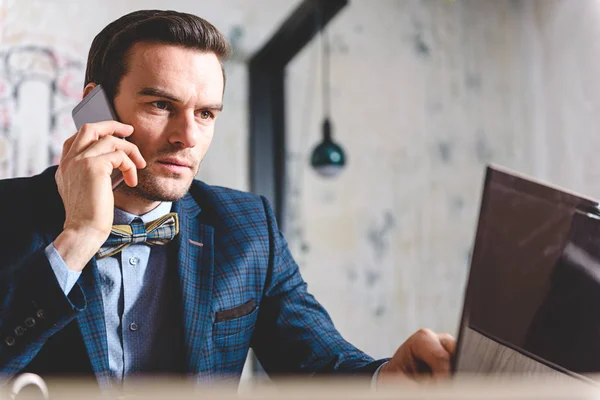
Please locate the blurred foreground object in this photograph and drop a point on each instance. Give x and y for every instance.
(463, 387)
(25, 380)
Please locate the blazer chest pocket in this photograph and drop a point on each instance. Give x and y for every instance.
(235, 320)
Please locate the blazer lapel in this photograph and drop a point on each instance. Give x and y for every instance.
(195, 259)
(92, 325)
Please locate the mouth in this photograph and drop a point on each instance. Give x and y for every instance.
(174, 164)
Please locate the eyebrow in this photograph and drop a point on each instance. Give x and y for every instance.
(156, 92)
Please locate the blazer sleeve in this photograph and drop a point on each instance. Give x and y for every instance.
(294, 334)
(33, 307)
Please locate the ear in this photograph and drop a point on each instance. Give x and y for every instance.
(88, 88)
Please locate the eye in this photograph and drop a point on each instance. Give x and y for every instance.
(161, 104)
(206, 115)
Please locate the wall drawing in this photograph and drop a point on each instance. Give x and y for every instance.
(39, 86)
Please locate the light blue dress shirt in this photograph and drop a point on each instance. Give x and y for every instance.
(138, 302)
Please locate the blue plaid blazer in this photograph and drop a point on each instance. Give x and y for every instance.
(237, 287)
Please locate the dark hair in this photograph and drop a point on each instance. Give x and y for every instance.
(108, 56)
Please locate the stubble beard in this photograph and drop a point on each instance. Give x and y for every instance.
(149, 187)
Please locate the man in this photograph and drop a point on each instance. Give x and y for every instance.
(190, 276)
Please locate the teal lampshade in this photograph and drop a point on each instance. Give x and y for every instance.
(328, 158)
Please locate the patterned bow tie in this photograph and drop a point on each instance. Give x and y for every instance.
(157, 232)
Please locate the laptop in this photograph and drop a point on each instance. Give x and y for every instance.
(532, 301)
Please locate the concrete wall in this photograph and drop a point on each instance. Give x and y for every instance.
(425, 93)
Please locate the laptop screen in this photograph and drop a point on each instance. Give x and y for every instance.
(532, 302)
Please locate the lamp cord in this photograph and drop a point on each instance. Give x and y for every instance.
(325, 70)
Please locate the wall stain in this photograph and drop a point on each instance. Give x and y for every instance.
(421, 48)
(371, 277)
(339, 45)
(482, 149)
(457, 205)
(473, 81)
(293, 218)
(417, 25)
(445, 150)
(236, 37)
(378, 235)
(305, 247)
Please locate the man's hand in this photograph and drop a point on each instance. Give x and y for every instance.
(83, 179)
(424, 354)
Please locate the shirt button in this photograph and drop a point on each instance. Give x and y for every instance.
(134, 260)
(19, 330)
(10, 341)
(40, 314)
(30, 322)
(133, 327)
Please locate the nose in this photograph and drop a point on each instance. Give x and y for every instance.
(185, 130)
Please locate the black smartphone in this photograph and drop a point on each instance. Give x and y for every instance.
(95, 107)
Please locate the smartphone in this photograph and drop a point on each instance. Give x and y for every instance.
(95, 107)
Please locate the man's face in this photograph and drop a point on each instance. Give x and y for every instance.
(171, 96)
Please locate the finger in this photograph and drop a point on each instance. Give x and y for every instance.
(110, 144)
(448, 342)
(90, 133)
(67, 146)
(120, 160)
(426, 347)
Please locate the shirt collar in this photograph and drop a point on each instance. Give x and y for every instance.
(122, 217)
